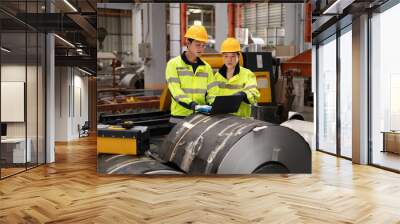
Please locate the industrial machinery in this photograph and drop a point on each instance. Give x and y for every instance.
(217, 144)
(226, 144)
(297, 123)
(120, 140)
(261, 64)
(299, 67)
(120, 86)
(157, 122)
(117, 164)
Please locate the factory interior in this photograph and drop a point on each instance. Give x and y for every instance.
(131, 83)
(95, 127)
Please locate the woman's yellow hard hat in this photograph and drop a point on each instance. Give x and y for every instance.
(230, 45)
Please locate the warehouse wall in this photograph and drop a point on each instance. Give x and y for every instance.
(154, 33)
(294, 27)
(265, 20)
(119, 37)
(276, 23)
(221, 24)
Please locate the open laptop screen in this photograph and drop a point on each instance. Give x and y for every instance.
(226, 104)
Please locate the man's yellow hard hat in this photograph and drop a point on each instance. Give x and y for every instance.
(230, 45)
(197, 32)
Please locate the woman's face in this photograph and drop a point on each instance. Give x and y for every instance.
(230, 60)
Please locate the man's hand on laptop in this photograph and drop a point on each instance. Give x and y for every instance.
(203, 108)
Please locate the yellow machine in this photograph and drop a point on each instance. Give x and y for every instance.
(264, 86)
(118, 140)
(258, 62)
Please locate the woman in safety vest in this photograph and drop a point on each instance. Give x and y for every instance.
(233, 79)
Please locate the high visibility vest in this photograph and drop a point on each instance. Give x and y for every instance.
(245, 81)
(186, 86)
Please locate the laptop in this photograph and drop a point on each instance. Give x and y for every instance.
(225, 104)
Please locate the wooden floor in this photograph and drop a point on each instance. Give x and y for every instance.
(70, 191)
(10, 171)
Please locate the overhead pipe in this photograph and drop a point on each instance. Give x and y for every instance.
(231, 20)
(183, 23)
(239, 14)
(307, 22)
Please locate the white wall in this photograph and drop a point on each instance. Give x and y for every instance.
(71, 103)
(33, 126)
(10, 73)
(80, 110)
(61, 103)
(16, 73)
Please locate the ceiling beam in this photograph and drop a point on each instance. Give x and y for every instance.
(84, 24)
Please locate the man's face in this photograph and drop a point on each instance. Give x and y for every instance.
(230, 59)
(196, 47)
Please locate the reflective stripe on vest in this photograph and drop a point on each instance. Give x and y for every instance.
(202, 74)
(179, 97)
(173, 80)
(189, 73)
(185, 73)
(190, 90)
(230, 86)
(214, 84)
(250, 87)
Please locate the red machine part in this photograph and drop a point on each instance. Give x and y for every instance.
(299, 65)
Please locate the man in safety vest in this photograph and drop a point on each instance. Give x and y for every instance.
(233, 79)
(190, 80)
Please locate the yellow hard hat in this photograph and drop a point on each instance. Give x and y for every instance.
(197, 32)
(230, 45)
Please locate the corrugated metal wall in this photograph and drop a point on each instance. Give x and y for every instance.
(119, 36)
(264, 20)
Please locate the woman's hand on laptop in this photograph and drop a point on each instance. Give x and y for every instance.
(242, 94)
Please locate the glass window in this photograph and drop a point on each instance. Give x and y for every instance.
(203, 15)
(22, 87)
(31, 96)
(385, 89)
(346, 94)
(327, 96)
(41, 86)
(15, 150)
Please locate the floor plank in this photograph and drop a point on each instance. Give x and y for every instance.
(70, 191)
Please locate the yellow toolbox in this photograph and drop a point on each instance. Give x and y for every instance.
(117, 140)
